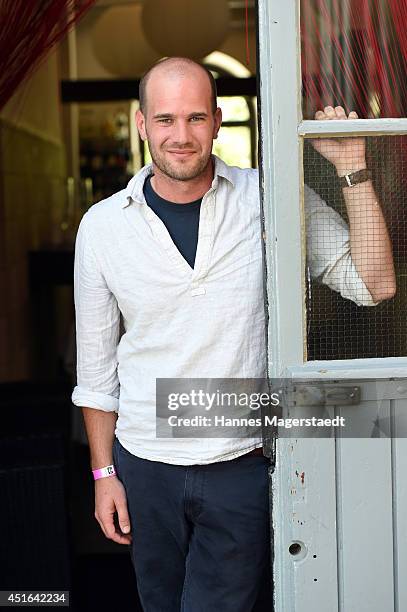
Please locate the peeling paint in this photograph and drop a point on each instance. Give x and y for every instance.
(302, 476)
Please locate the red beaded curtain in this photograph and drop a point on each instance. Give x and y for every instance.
(354, 53)
(28, 31)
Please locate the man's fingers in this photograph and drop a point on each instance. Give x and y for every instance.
(340, 112)
(123, 517)
(335, 113)
(330, 112)
(109, 530)
(101, 524)
(119, 538)
(112, 533)
(111, 510)
(109, 526)
(106, 523)
(116, 535)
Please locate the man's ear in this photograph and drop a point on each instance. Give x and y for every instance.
(218, 122)
(141, 125)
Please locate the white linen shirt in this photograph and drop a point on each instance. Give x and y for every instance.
(179, 322)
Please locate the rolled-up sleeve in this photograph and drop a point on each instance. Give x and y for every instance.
(328, 251)
(97, 329)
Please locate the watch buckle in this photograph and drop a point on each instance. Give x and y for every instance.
(349, 182)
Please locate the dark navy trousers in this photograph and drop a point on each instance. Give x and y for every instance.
(200, 534)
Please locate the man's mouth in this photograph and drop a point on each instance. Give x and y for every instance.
(181, 152)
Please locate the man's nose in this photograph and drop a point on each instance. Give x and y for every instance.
(182, 134)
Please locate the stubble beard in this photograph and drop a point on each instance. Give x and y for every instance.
(179, 172)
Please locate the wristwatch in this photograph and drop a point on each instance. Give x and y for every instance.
(354, 178)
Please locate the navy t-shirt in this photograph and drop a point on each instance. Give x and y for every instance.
(181, 220)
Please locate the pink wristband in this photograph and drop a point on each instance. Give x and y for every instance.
(104, 472)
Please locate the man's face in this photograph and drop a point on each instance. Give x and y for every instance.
(179, 124)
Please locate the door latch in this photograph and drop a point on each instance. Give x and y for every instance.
(323, 395)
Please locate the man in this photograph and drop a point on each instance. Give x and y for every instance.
(178, 255)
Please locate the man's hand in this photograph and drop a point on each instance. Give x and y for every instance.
(370, 244)
(110, 497)
(346, 154)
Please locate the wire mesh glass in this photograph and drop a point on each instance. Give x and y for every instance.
(347, 327)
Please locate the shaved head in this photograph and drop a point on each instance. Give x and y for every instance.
(179, 118)
(176, 67)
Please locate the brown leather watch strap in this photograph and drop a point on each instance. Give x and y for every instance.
(354, 178)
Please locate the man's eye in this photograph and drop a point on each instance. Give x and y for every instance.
(167, 120)
(195, 119)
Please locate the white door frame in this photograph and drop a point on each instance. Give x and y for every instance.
(298, 511)
(282, 131)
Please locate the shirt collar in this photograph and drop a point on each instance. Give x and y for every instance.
(134, 189)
